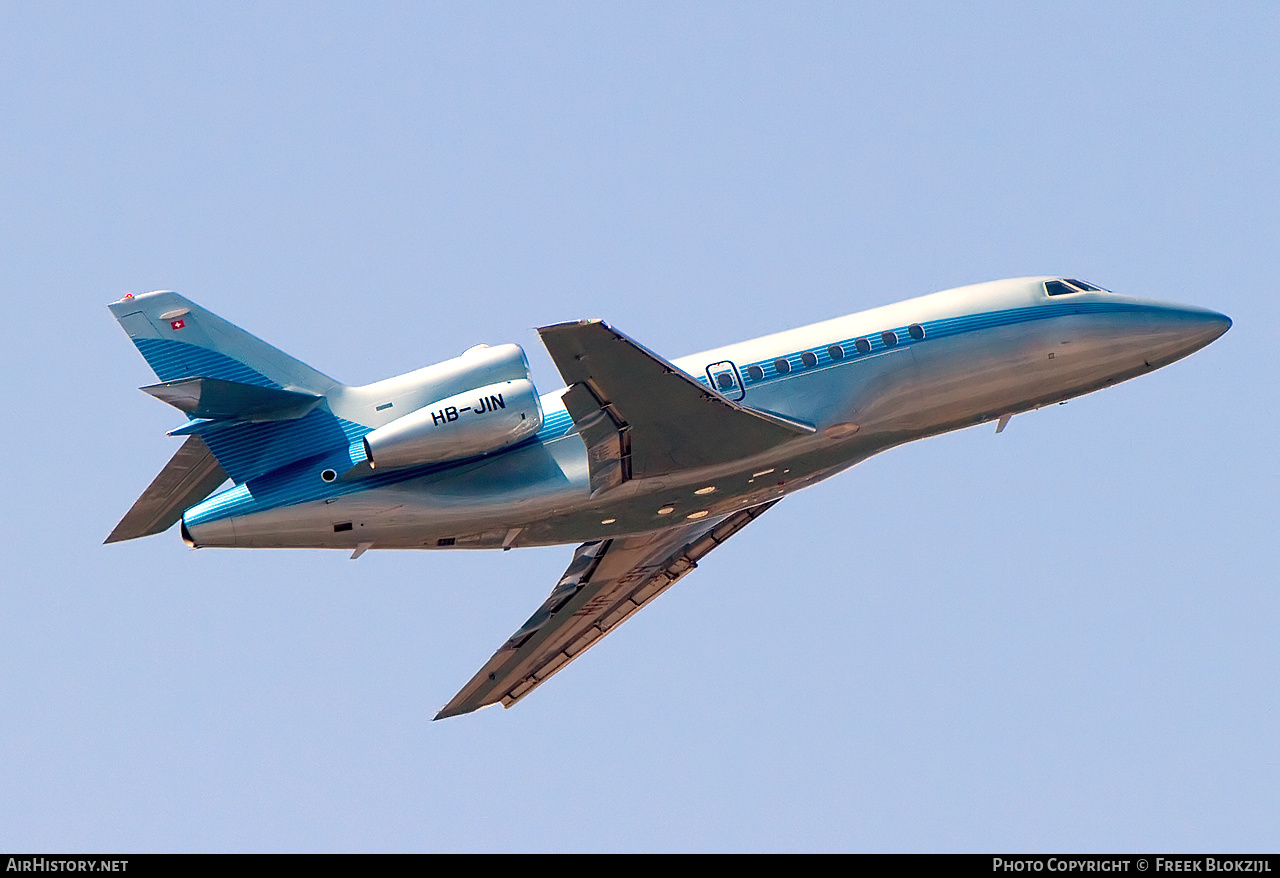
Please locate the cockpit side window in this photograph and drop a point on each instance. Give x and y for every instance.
(1058, 288)
(1081, 285)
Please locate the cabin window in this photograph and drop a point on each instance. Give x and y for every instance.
(863, 346)
(836, 353)
(889, 337)
(916, 331)
(1057, 288)
(782, 366)
(809, 358)
(755, 373)
(724, 380)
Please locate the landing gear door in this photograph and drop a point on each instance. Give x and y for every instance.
(725, 377)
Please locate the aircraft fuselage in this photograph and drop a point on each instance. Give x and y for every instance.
(865, 382)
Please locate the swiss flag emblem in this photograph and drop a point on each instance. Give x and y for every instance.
(177, 324)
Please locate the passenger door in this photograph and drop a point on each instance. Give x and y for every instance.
(725, 377)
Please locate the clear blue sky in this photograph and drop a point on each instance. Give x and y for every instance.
(1060, 638)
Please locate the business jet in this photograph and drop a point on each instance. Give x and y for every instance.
(647, 463)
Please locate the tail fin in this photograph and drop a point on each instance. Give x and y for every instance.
(179, 339)
(254, 408)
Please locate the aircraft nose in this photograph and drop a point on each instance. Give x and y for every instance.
(1174, 332)
(1200, 326)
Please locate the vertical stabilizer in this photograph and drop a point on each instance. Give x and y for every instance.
(255, 407)
(179, 339)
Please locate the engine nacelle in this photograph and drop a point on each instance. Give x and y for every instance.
(467, 424)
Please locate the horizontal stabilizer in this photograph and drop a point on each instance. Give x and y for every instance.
(190, 476)
(218, 399)
(641, 416)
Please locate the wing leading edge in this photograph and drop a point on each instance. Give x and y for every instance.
(642, 416)
(605, 583)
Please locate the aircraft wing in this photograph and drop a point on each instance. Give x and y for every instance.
(641, 416)
(605, 583)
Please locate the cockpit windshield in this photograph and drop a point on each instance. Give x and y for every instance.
(1070, 285)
